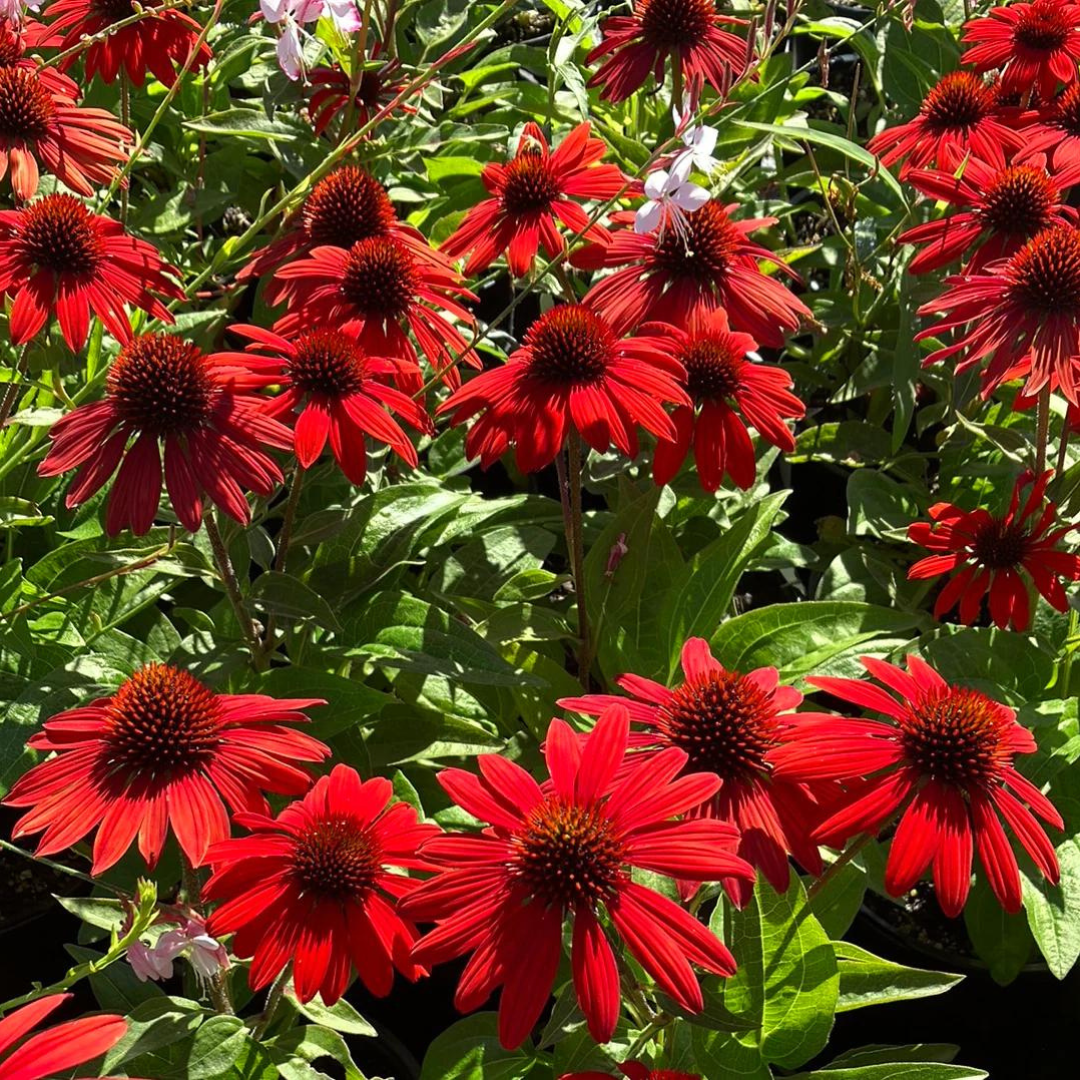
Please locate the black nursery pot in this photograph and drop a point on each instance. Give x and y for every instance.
(1023, 1030)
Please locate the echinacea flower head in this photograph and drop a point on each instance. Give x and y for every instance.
(165, 400)
(1024, 308)
(13, 47)
(727, 723)
(331, 88)
(316, 886)
(942, 760)
(566, 848)
(959, 116)
(1037, 45)
(57, 1049)
(379, 289)
(1002, 209)
(80, 147)
(996, 556)
(727, 390)
(675, 275)
(1055, 132)
(159, 44)
(344, 207)
(58, 258)
(572, 373)
(161, 754)
(531, 196)
(341, 392)
(691, 32)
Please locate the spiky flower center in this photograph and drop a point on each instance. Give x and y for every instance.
(162, 720)
(569, 346)
(328, 363)
(370, 89)
(702, 250)
(349, 205)
(10, 50)
(1067, 110)
(529, 182)
(1019, 201)
(161, 384)
(713, 367)
(336, 858)
(114, 10)
(381, 278)
(724, 721)
(58, 233)
(1043, 27)
(26, 109)
(1000, 544)
(959, 101)
(1044, 275)
(675, 24)
(567, 854)
(956, 735)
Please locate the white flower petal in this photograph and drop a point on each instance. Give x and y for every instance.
(648, 217)
(690, 197)
(656, 184)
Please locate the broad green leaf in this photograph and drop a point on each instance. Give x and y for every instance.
(840, 900)
(904, 1070)
(1053, 911)
(866, 979)
(340, 1017)
(1001, 940)
(247, 123)
(289, 598)
(348, 702)
(819, 636)
(470, 1050)
(296, 1051)
(701, 594)
(152, 1026)
(117, 987)
(723, 1056)
(788, 982)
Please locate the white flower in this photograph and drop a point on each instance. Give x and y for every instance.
(290, 49)
(670, 195)
(344, 14)
(700, 142)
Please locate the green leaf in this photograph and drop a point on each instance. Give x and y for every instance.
(880, 506)
(402, 632)
(788, 982)
(1003, 941)
(866, 979)
(702, 592)
(117, 987)
(100, 911)
(348, 702)
(906, 1070)
(250, 123)
(1053, 911)
(470, 1050)
(840, 900)
(723, 1056)
(340, 1017)
(290, 598)
(297, 1050)
(153, 1025)
(825, 637)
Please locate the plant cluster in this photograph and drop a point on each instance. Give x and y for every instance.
(475, 507)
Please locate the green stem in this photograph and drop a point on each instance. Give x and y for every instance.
(273, 1000)
(229, 580)
(281, 557)
(838, 864)
(1042, 433)
(11, 394)
(359, 58)
(577, 539)
(653, 1027)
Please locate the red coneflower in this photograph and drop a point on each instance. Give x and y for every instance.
(57, 1049)
(76, 145)
(959, 116)
(727, 723)
(943, 760)
(723, 383)
(12, 54)
(56, 257)
(690, 31)
(1025, 307)
(340, 390)
(311, 888)
(1037, 45)
(160, 43)
(167, 399)
(1007, 207)
(1055, 131)
(373, 288)
(531, 196)
(634, 1070)
(160, 753)
(567, 848)
(678, 274)
(995, 555)
(572, 373)
(347, 206)
(332, 86)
